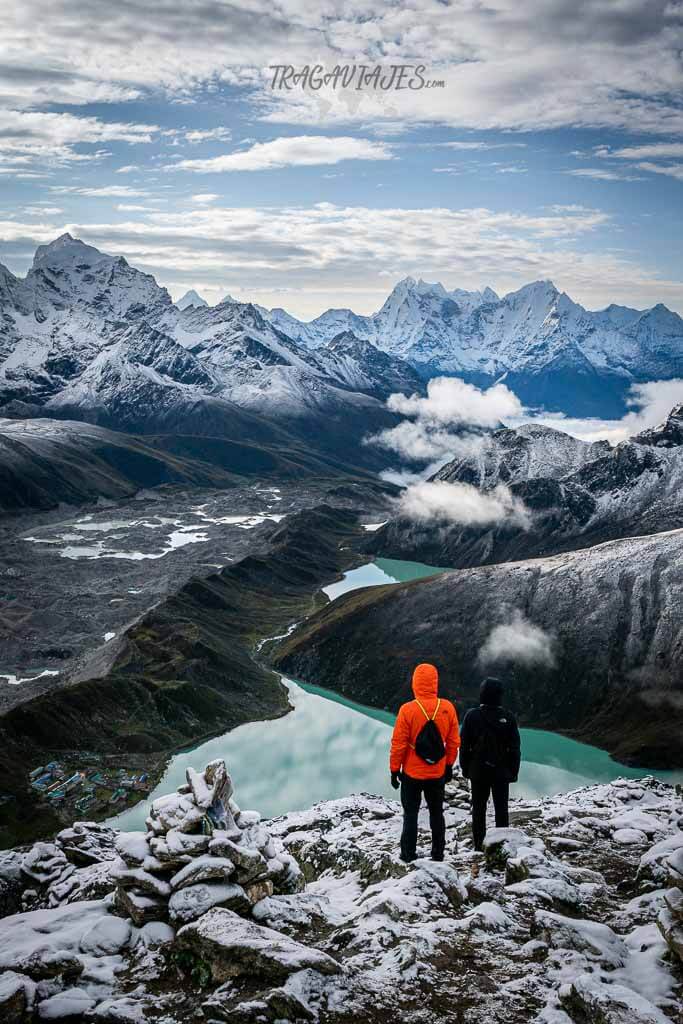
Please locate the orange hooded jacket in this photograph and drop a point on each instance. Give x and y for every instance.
(410, 720)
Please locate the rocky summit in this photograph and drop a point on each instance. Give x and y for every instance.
(573, 914)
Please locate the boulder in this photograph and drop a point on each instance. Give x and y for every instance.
(594, 940)
(190, 903)
(502, 843)
(221, 945)
(674, 865)
(211, 785)
(138, 878)
(178, 848)
(10, 866)
(121, 1010)
(87, 842)
(105, 937)
(593, 1001)
(277, 1005)
(249, 863)
(257, 891)
(91, 882)
(72, 1003)
(16, 997)
(245, 819)
(140, 906)
(203, 869)
(133, 848)
(286, 875)
(670, 921)
(175, 811)
(654, 868)
(44, 863)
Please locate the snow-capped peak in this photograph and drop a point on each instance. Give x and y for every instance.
(191, 298)
(66, 251)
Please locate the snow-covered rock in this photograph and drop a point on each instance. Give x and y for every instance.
(533, 931)
(591, 999)
(232, 946)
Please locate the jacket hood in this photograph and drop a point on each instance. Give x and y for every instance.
(425, 681)
(491, 692)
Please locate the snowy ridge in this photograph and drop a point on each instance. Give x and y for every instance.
(77, 303)
(572, 914)
(535, 331)
(86, 335)
(577, 494)
(525, 453)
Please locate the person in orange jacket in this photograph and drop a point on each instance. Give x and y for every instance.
(408, 766)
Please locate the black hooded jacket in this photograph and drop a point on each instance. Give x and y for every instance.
(489, 737)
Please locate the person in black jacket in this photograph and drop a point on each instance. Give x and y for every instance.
(490, 753)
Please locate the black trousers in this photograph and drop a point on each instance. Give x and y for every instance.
(483, 785)
(412, 791)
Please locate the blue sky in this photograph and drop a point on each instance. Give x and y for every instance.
(554, 149)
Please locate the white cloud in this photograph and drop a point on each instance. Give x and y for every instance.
(101, 191)
(652, 402)
(438, 426)
(36, 136)
(518, 641)
(536, 65)
(204, 198)
(293, 151)
(418, 442)
(41, 210)
(438, 501)
(600, 174)
(671, 170)
(327, 255)
(467, 146)
(450, 401)
(650, 151)
(128, 169)
(208, 135)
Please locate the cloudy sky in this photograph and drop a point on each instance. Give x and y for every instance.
(550, 145)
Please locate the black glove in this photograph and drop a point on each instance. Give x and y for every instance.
(395, 779)
(448, 774)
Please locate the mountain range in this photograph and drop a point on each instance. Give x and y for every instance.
(548, 349)
(576, 493)
(86, 336)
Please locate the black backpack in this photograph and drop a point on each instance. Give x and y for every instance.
(429, 743)
(492, 748)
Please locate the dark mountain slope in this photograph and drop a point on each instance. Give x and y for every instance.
(613, 613)
(44, 463)
(186, 669)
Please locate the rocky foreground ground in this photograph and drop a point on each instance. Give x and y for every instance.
(575, 913)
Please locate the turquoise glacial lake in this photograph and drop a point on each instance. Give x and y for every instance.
(329, 747)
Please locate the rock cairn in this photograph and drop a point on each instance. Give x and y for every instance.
(670, 920)
(200, 851)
